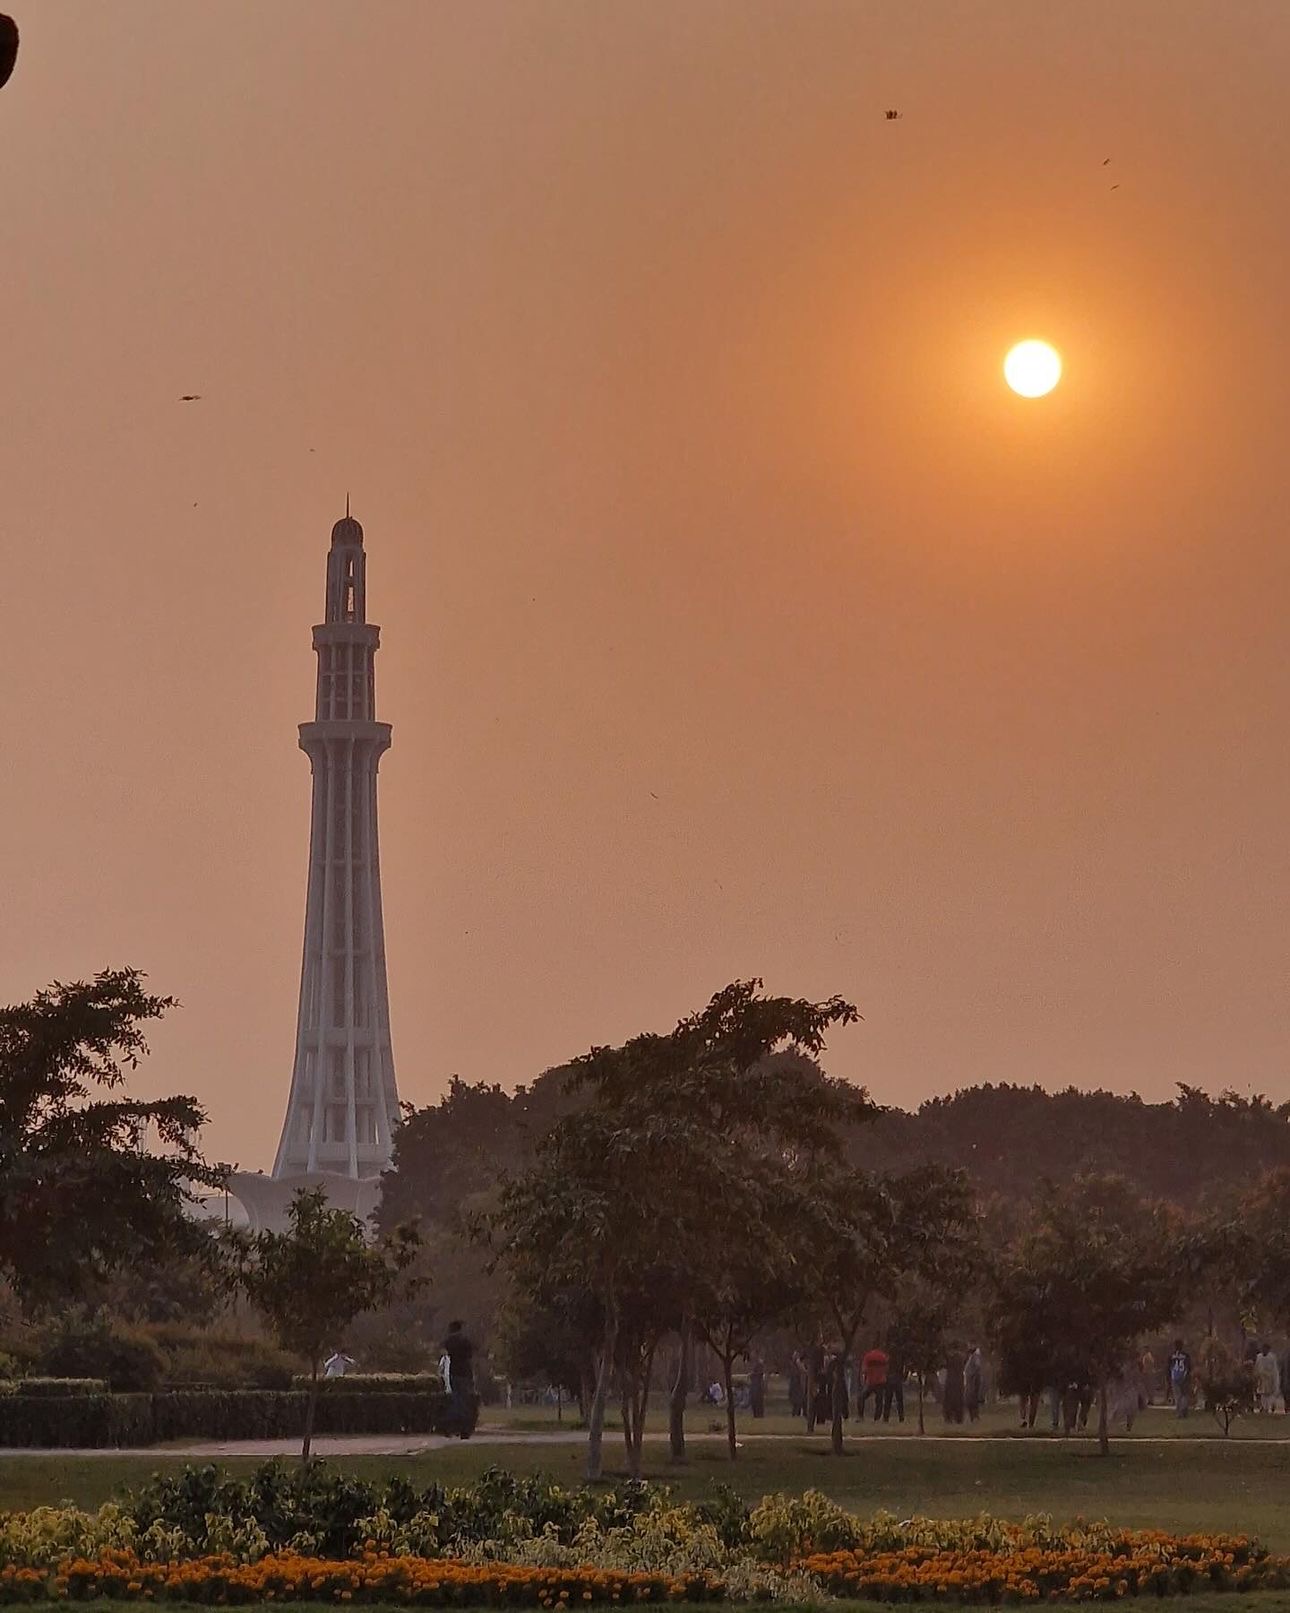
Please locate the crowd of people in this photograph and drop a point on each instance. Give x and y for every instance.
(820, 1378)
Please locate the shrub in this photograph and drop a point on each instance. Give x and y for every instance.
(53, 1388)
(101, 1420)
(196, 1359)
(386, 1383)
(130, 1362)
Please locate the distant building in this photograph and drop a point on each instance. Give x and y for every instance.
(344, 1104)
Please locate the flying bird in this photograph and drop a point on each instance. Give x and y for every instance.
(892, 114)
(8, 47)
(191, 397)
(1105, 160)
(1115, 187)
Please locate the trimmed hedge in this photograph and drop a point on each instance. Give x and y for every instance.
(102, 1420)
(376, 1383)
(53, 1388)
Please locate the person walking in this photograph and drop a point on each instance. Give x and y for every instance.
(463, 1406)
(1180, 1379)
(1267, 1381)
(952, 1394)
(757, 1387)
(894, 1389)
(973, 1383)
(873, 1371)
(1147, 1366)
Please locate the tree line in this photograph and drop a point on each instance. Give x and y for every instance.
(710, 1187)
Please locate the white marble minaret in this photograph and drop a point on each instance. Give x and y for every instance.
(344, 1104)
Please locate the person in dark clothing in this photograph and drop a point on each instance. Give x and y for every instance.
(816, 1389)
(796, 1387)
(463, 1405)
(757, 1387)
(893, 1393)
(952, 1396)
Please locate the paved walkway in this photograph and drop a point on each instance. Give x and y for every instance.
(416, 1444)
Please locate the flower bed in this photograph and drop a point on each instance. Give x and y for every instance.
(316, 1535)
(1142, 1564)
(426, 1582)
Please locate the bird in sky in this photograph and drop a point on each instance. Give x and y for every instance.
(191, 397)
(1115, 187)
(892, 114)
(8, 47)
(1105, 160)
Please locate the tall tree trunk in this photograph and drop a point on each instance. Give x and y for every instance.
(728, 1383)
(311, 1408)
(640, 1409)
(1103, 1421)
(839, 1399)
(922, 1426)
(599, 1398)
(676, 1401)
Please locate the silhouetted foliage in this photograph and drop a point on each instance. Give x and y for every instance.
(1011, 1139)
(81, 1192)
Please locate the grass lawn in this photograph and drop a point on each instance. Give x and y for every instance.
(1178, 1485)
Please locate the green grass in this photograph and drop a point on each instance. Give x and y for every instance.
(1183, 1486)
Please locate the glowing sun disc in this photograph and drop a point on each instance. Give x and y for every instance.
(1032, 368)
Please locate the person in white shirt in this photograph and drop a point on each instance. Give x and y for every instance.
(337, 1365)
(1267, 1380)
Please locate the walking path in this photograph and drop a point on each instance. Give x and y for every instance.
(416, 1444)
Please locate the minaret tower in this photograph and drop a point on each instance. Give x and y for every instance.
(344, 1104)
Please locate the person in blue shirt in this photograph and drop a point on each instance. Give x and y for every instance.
(1180, 1379)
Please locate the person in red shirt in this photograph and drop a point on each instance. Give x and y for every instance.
(873, 1369)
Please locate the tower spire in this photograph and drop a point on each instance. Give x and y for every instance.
(344, 1103)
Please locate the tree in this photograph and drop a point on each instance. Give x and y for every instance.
(1096, 1268)
(1227, 1383)
(69, 1142)
(311, 1281)
(866, 1233)
(921, 1319)
(1244, 1248)
(753, 1282)
(623, 1200)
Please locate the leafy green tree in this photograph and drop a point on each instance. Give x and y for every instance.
(82, 1194)
(1227, 1384)
(625, 1198)
(918, 1336)
(311, 1281)
(1096, 1268)
(867, 1233)
(1242, 1248)
(754, 1282)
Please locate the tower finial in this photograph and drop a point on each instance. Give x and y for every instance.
(347, 504)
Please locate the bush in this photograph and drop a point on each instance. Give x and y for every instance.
(53, 1388)
(379, 1383)
(336, 1514)
(197, 1358)
(130, 1362)
(100, 1420)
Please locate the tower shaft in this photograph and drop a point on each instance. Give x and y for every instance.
(344, 1103)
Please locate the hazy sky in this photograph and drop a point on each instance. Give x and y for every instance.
(736, 619)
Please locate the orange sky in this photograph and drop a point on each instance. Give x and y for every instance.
(664, 373)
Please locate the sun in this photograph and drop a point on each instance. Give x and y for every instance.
(1032, 368)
